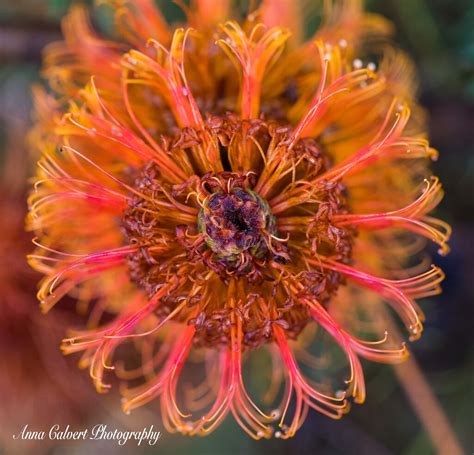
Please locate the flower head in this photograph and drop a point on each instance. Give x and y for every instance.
(222, 191)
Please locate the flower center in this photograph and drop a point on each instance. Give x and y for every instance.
(236, 224)
(237, 227)
(217, 231)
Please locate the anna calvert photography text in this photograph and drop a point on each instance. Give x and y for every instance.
(99, 432)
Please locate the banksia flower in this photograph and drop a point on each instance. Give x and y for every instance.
(225, 192)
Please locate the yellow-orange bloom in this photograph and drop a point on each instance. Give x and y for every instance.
(225, 191)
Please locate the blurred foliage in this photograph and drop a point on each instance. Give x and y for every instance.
(439, 34)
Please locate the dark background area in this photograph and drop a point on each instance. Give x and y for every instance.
(439, 35)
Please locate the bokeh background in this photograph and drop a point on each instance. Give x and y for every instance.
(439, 34)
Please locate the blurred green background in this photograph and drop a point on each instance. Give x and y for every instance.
(439, 35)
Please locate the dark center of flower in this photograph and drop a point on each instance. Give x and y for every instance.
(237, 227)
(235, 223)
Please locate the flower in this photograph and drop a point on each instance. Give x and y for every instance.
(225, 192)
